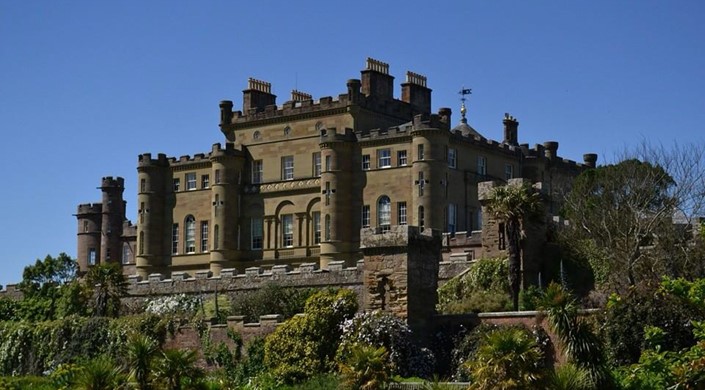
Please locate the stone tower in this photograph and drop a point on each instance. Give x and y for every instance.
(113, 216)
(226, 165)
(155, 200)
(341, 197)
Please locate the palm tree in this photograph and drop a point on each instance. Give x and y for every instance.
(108, 285)
(175, 365)
(507, 359)
(580, 343)
(514, 205)
(100, 374)
(141, 350)
(365, 368)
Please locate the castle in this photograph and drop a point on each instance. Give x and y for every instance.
(296, 183)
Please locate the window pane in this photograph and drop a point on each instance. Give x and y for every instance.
(384, 157)
(401, 158)
(287, 230)
(316, 217)
(384, 213)
(288, 168)
(257, 171)
(204, 236)
(190, 235)
(257, 233)
(191, 181)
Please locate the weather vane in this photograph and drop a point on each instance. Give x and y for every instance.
(463, 110)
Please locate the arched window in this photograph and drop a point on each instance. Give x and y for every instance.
(384, 213)
(190, 234)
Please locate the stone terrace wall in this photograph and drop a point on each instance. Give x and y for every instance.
(229, 281)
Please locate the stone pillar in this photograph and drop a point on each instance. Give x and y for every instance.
(400, 273)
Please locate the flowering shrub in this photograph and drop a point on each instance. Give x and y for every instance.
(173, 304)
(383, 329)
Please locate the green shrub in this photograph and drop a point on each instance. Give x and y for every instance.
(643, 305)
(271, 299)
(307, 344)
(484, 287)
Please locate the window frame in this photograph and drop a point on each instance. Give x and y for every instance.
(482, 165)
(257, 172)
(384, 158)
(287, 163)
(402, 160)
(316, 164)
(366, 162)
(190, 235)
(205, 181)
(204, 236)
(256, 234)
(384, 213)
(316, 227)
(402, 218)
(452, 158)
(175, 239)
(365, 217)
(191, 181)
(287, 230)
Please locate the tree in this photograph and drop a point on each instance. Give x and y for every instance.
(108, 285)
(46, 275)
(43, 285)
(514, 205)
(633, 219)
(100, 374)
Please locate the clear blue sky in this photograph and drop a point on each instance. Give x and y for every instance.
(86, 86)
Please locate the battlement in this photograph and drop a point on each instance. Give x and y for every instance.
(89, 208)
(306, 275)
(110, 182)
(331, 134)
(145, 160)
(390, 132)
(396, 236)
(373, 92)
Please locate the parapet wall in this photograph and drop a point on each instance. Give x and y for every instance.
(229, 281)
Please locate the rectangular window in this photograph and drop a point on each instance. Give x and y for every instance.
(327, 226)
(217, 176)
(177, 184)
(205, 181)
(126, 254)
(365, 162)
(384, 158)
(287, 230)
(451, 158)
(317, 164)
(401, 158)
(175, 239)
(401, 213)
(508, 171)
(420, 154)
(316, 217)
(107, 254)
(256, 232)
(257, 171)
(143, 185)
(91, 256)
(329, 163)
(481, 166)
(452, 218)
(288, 168)
(366, 215)
(191, 181)
(204, 236)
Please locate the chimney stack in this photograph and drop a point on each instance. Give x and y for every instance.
(415, 92)
(258, 95)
